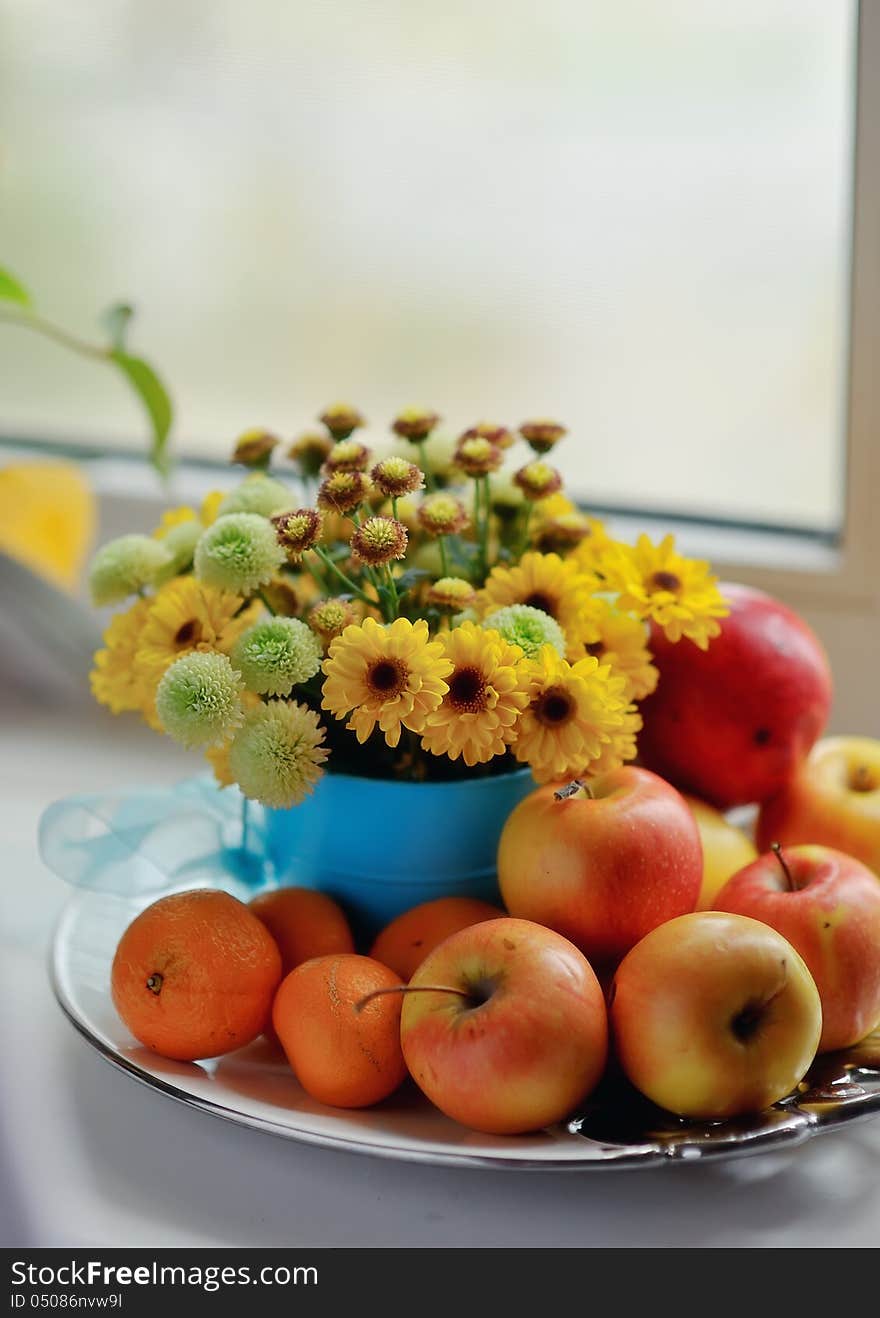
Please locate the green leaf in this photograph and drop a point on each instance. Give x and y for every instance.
(154, 397)
(115, 321)
(339, 551)
(12, 291)
(411, 577)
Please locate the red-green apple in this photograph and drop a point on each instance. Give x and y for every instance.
(731, 724)
(833, 798)
(726, 849)
(828, 907)
(504, 1027)
(714, 1015)
(602, 862)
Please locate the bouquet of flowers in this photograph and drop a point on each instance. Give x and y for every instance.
(434, 612)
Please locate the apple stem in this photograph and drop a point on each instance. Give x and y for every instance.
(861, 779)
(776, 848)
(577, 787)
(410, 988)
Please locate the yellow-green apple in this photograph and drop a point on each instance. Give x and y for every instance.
(714, 1015)
(602, 862)
(726, 849)
(828, 907)
(504, 1027)
(833, 798)
(731, 723)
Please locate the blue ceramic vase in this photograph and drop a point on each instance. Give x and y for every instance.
(381, 846)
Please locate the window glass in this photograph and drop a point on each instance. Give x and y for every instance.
(634, 216)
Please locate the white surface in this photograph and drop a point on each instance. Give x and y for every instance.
(89, 1157)
(255, 1085)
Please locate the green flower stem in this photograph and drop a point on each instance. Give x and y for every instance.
(372, 575)
(376, 580)
(426, 466)
(394, 507)
(524, 537)
(392, 588)
(484, 532)
(318, 577)
(347, 581)
(476, 519)
(444, 560)
(266, 603)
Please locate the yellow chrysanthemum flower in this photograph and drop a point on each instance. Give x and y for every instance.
(393, 676)
(479, 711)
(210, 506)
(679, 594)
(218, 758)
(621, 748)
(544, 581)
(47, 519)
(574, 712)
(206, 514)
(186, 615)
(557, 505)
(620, 640)
(174, 517)
(592, 548)
(115, 680)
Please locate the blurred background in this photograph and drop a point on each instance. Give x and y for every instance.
(634, 216)
(631, 215)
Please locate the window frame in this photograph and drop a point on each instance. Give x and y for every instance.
(848, 580)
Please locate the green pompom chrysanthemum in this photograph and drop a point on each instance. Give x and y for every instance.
(180, 541)
(529, 628)
(273, 656)
(198, 700)
(276, 756)
(239, 552)
(256, 494)
(124, 566)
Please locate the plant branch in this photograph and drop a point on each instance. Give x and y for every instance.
(29, 320)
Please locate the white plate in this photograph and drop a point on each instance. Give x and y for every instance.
(255, 1087)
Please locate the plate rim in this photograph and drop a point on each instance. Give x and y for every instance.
(775, 1142)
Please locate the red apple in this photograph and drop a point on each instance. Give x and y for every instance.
(731, 724)
(828, 907)
(832, 798)
(520, 1040)
(604, 863)
(714, 1015)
